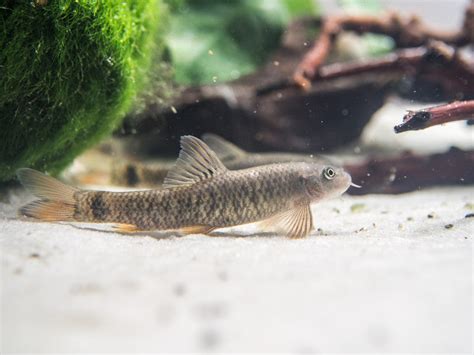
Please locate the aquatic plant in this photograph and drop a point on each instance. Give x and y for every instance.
(70, 71)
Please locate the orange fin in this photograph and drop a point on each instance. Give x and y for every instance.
(56, 199)
(126, 228)
(197, 230)
(296, 223)
(48, 210)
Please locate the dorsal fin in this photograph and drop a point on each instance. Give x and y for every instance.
(196, 162)
(223, 148)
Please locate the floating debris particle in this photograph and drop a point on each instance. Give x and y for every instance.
(210, 52)
(357, 207)
(448, 226)
(336, 210)
(409, 219)
(174, 110)
(35, 255)
(431, 215)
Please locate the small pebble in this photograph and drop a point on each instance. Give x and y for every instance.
(223, 276)
(179, 290)
(431, 215)
(469, 215)
(410, 219)
(469, 206)
(357, 207)
(34, 255)
(448, 226)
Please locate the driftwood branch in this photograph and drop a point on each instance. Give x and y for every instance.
(406, 32)
(424, 63)
(267, 111)
(456, 111)
(412, 172)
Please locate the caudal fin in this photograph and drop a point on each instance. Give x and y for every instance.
(56, 202)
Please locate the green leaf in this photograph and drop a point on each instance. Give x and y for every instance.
(217, 41)
(361, 6)
(372, 45)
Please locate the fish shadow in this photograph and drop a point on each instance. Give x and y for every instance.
(176, 234)
(158, 235)
(152, 234)
(244, 235)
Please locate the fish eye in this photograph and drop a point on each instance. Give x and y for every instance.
(329, 173)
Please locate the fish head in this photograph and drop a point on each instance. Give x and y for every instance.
(323, 181)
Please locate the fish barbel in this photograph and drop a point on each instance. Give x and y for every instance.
(199, 195)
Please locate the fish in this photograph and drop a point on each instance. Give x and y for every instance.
(234, 157)
(199, 195)
(136, 173)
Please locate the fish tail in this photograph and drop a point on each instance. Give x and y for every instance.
(57, 201)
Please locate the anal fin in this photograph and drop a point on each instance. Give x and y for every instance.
(126, 228)
(296, 223)
(199, 229)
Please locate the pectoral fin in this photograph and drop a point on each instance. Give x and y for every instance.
(296, 223)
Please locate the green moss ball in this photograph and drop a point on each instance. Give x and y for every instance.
(69, 72)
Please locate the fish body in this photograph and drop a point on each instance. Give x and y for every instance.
(229, 199)
(200, 194)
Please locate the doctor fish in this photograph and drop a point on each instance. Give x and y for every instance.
(199, 195)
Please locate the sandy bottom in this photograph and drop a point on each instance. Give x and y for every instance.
(382, 273)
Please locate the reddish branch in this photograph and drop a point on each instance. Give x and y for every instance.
(406, 32)
(456, 77)
(411, 172)
(456, 111)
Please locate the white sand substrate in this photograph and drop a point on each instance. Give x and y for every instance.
(382, 273)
